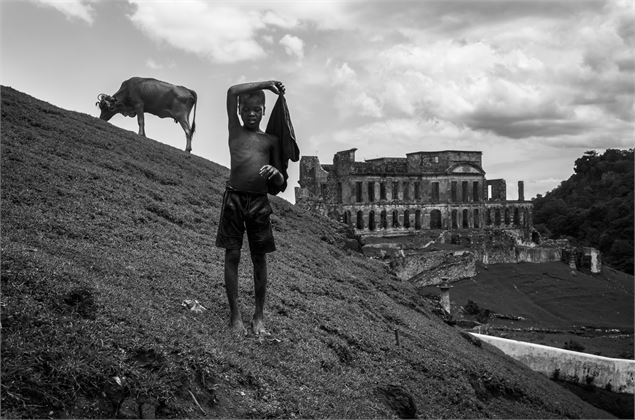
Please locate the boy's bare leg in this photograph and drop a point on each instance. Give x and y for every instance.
(232, 258)
(260, 289)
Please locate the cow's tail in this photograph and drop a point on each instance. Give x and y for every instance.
(193, 127)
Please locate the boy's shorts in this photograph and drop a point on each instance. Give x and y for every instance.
(245, 210)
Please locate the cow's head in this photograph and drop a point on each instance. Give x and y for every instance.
(108, 106)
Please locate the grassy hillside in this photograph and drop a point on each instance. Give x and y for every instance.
(556, 307)
(604, 300)
(104, 234)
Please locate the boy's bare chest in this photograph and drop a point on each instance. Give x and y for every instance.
(254, 143)
(249, 150)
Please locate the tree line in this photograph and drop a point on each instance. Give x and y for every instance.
(594, 207)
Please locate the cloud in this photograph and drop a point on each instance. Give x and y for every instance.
(224, 34)
(471, 84)
(398, 136)
(293, 45)
(73, 9)
(153, 64)
(519, 73)
(351, 98)
(232, 32)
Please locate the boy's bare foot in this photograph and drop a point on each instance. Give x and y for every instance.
(237, 326)
(258, 327)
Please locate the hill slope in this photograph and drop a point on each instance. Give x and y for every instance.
(104, 234)
(546, 304)
(548, 296)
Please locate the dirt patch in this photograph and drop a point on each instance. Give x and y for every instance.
(399, 400)
(82, 302)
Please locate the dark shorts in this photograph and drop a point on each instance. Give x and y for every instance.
(245, 210)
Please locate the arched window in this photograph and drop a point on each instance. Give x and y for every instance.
(395, 218)
(497, 217)
(508, 219)
(324, 191)
(477, 222)
(475, 192)
(347, 217)
(517, 217)
(418, 219)
(455, 223)
(466, 218)
(360, 220)
(434, 192)
(406, 219)
(371, 220)
(435, 219)
(488, 217)
(383, 220)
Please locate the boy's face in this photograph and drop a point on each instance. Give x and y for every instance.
(251, 112)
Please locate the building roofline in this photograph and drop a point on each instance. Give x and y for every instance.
(385, 157)
(346, 151)
(445, 151)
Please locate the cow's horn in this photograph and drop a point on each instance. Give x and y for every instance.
(100, 98)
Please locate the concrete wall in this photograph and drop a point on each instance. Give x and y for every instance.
(583, 257)
(571, 365)
(537, 254)
(499, 189)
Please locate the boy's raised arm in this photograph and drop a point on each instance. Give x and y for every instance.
(232, 109)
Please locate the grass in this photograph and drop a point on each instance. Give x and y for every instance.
(105, 233)
(557, 308)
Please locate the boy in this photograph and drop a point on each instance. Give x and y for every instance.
(254, 163)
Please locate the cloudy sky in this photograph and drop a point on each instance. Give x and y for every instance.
(532, 84)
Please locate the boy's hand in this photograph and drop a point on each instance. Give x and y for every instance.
(269, 172)
(277, 87)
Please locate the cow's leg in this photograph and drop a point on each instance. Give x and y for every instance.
(141, 121)
(188, 133)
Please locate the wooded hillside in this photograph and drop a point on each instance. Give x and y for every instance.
(594, 207)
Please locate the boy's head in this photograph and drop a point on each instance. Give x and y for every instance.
(251, 107)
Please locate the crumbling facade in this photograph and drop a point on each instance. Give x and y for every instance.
(425, 191)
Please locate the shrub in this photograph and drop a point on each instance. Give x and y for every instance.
(573, 345)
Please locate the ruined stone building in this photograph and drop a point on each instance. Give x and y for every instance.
(444, 190)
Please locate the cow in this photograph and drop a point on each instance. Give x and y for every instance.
(138, 95)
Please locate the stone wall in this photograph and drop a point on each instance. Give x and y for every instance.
(499, 189)
(537, 254)
(429, 267)
(428, 257)
(616, 374)
(453, 266)
(587, 258)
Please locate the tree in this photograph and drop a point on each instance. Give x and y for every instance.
(594, 206)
